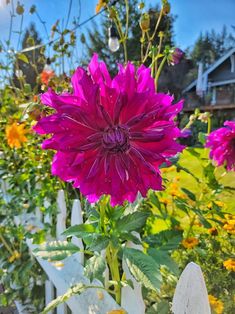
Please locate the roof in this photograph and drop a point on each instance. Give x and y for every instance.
(211, 68)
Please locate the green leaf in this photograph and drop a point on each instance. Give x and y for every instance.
(202, 138)
(132, 222)
(79, 230)
(56, 250)
(165, 240)
(163, 258)
(154, 200)
(189, 194)
(97, 242)
(143, 268)
(162, 307)
(23, 57)
(78, 289)
(95, 268)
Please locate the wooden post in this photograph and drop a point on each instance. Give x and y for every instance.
(191, 294)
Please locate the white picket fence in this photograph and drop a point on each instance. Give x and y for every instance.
(190, 295)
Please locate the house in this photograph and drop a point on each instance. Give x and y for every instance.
(214, 89)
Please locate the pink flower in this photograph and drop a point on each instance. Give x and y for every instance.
(111, 135)
(222, 144)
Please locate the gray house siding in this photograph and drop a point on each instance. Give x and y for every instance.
(222, 73)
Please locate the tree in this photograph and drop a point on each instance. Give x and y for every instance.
(98, 36)
(211, 46)
(35, 58)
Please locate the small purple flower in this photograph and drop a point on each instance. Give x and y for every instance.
(176, 56)
(222, 145)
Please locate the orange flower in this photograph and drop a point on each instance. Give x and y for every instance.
(100, 5)
(216, 305)
(189, 243)
(213, 231)
(229, 264)
(15, 134)
(46, 76)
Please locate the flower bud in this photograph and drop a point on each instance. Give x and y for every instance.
(176, 56)
(19, 9)
(112, 13)
(32, 9)
(144, 22)
(166, 8)
(141, 5)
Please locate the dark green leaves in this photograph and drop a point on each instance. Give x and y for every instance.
(143, 267)
(79, 230)
(163, 258)
(131, 222)
(165, 240)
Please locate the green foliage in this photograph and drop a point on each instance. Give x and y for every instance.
(56, 250)
(143, 267)
(95, 268)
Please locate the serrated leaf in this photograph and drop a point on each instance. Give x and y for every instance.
(56, 250)
(23, 57)
(98, 242)
(165, 240)
(143, 268)
(78, 289)
(79, 230)
(95, 268)
(132, 222)
(163, 258)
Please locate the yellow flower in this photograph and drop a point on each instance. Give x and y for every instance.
(189, 243)
(164, 200)
(229, 264)
(15, 134)
(216, 305)
(230, 228)
(100, 5)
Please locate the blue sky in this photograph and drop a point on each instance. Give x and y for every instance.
(194, 16)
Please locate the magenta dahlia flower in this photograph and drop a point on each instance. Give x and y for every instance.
(111, 135)
(222, 145)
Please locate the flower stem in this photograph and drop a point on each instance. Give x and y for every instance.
(159, 71)
(5, 244)
(114, 268)
(209, 125)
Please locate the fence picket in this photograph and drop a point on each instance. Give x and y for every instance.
(76, 219)
(132, 299)
(191, 294)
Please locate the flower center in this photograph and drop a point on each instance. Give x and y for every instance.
(116, 139)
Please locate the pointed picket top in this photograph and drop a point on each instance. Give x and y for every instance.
(191, 295)
(76, 219)
(132, 299)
